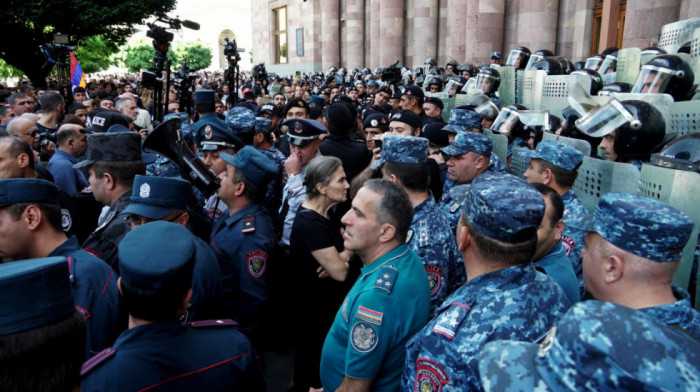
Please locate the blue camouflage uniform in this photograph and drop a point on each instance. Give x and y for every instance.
(654, 231)
(567, 158)
(107, 147)
(464, 142)
(243, 242)
(429, 235)
(516, 302)
(388, 304)
(168, 354)
(157, 197)
(597, 346)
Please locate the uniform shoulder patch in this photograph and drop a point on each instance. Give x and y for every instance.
(568, 243)
(455, 207)
(430, 376)
(248, 223)
(369, 315)
(434, 278)
(386, 278)
(257, 262)
(212, 323)
(449, 321)
(98, 359)
(363, 337)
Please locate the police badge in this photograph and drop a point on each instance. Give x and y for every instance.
(145, 190)
(430, 377)
(66, 220)
(434, 278)
(257, 262)
(298, 128)
(208, 132)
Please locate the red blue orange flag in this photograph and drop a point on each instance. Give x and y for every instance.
(77, 76)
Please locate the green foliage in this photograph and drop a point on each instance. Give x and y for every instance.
(8, 71)
(195, 54)
(29, 23)
(95, 54)
(140, 56)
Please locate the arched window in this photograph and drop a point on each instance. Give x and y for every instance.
(224, 34)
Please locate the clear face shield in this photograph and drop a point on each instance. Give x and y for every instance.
(487, 110)
(485, 83)
(653, 79)
(647, 56)
(609, 65)
(535, 119)
(580, 101)
(515, 58)
(606, 118)
(471, 84)
(506, 121)
(593, 63)
(533, 59)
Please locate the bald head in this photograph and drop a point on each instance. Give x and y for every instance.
(19, 126)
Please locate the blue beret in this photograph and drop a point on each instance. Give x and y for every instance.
(254, 164)
(214, 136)
(315, 99)
(470, 142)
(303, 131)
(462, 120)
(558, 154)
(240, 121)
(120, 146)
(155, 197)
(501, 205)
(263, 125)
(202, 96)
(168, 273)
(596, 346)
(402, 149)
(642, 226)
(35, 292)
(27, 190)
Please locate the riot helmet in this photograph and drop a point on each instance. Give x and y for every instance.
(452, 64)
(596, 79)
(615, 87)
(434, 81)
(666, 74)
(469, 69)
(549, 65)
(682, 153)
(508, 123)
(537, 56)
(609, 64)
(488, 80)
(518, 57)
(594, 63)
(649, 53)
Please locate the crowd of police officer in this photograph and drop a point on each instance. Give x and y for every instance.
(460, 275)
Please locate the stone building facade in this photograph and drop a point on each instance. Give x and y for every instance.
(375, 33)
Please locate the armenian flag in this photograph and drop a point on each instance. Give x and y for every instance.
(77, 76)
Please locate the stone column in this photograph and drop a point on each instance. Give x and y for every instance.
(689, 9)
(425, 24)
(391, 32)
(354, 39)
(330, 33)
(375, 39)
(485, 26)
(537, 25)
(644, 19)
(456, 26)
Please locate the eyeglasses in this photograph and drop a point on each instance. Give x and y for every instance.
(32, 133)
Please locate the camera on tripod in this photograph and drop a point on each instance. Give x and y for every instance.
(259, 72)
(231, 50)
(392, 74)
(184, 77)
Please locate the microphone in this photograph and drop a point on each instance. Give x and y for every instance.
(190, 24)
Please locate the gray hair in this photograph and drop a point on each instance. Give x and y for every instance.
(319, 171)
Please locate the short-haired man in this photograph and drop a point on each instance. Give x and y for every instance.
(504, 297)
(79, 94)
(633, 248)
(412, 99)
(113, 160)
(404, 161)
(556, 165)
(433, 108)
(374, 125)
(382, 95)
(21, 103)
(550, 254)
(469, 156)
(42, 334)
(165, 199)
(72, 144)
(79, 110)
(243, 240)
(30, 218)
(53, 110)
(365, 347)
(158, 350)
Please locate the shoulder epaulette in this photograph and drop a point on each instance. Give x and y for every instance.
(248, 223)
(97, 360)
(386, 278)
(212, 323)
